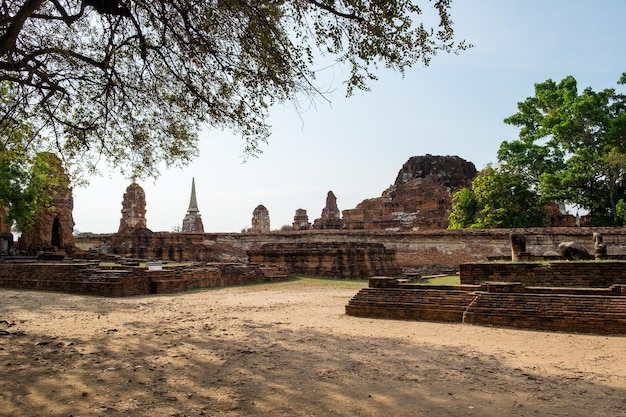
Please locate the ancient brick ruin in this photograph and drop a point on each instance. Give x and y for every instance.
(193, 221)
(130, 279)
(53, 231)
(6, 237)
(5, 225)
(301, 220)
(420, 198)
(260, 220)
(337, 260)
(133, 209)
(600, 310)
(331, 216)
(588, 297)
(400, 235)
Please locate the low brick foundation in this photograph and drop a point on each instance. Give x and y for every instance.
(593, 310)
(552, 274)
(89, 278)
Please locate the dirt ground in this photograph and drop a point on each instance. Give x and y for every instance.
(287, 349)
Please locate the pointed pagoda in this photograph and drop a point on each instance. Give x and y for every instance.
(193, 221)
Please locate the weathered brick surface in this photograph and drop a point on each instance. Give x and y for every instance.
(340, 260)
(554, 312)
(88, 278)
(555, 274)
(398, 303)
(585, 311)
(429, 250)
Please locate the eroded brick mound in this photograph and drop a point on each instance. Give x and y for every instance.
(338, 260)
(420, 198)
(145, 244)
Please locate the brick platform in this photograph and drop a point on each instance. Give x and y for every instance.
(599, 311)
(121, 281)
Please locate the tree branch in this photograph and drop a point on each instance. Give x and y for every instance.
(9, 38)
(332, 10)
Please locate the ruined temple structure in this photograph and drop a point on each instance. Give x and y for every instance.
(331, 216)
(6, 238)
(260, 220)
(133, 209)
(420, 198)
(353, 260)
(193, 221)
(5, 226)
(53, 231)
(301, 220)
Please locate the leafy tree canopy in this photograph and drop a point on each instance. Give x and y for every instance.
(571, 147)
(132, 81)
(496, 199)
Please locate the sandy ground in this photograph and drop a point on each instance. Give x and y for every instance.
(287, 349)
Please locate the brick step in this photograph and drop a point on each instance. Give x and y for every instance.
(553, 312)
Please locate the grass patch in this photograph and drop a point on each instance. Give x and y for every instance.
(448, 280)
(311, 282)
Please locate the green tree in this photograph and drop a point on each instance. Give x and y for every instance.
(133, 81)
(496, 199)
(27, 185)
(463, 213)
(571, 147)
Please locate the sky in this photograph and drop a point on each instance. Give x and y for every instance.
(356, 146)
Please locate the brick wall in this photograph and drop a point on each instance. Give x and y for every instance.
(428, 250)
(554, 274)
(88, 278)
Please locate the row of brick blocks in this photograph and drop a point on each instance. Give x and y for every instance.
(88, 278)
(581, 312)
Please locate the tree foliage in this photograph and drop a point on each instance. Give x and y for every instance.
(131, 82)
(571, 147)
(27, 185)
(496, 199)
(27, 178)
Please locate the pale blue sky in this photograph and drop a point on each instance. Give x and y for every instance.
(356, 146)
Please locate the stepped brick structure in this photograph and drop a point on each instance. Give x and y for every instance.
(193, 221)
(420, 198)
(331, 216)
(260, 220)
(133, 209)
(54, 229)
(599, 311)
(301, 220)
